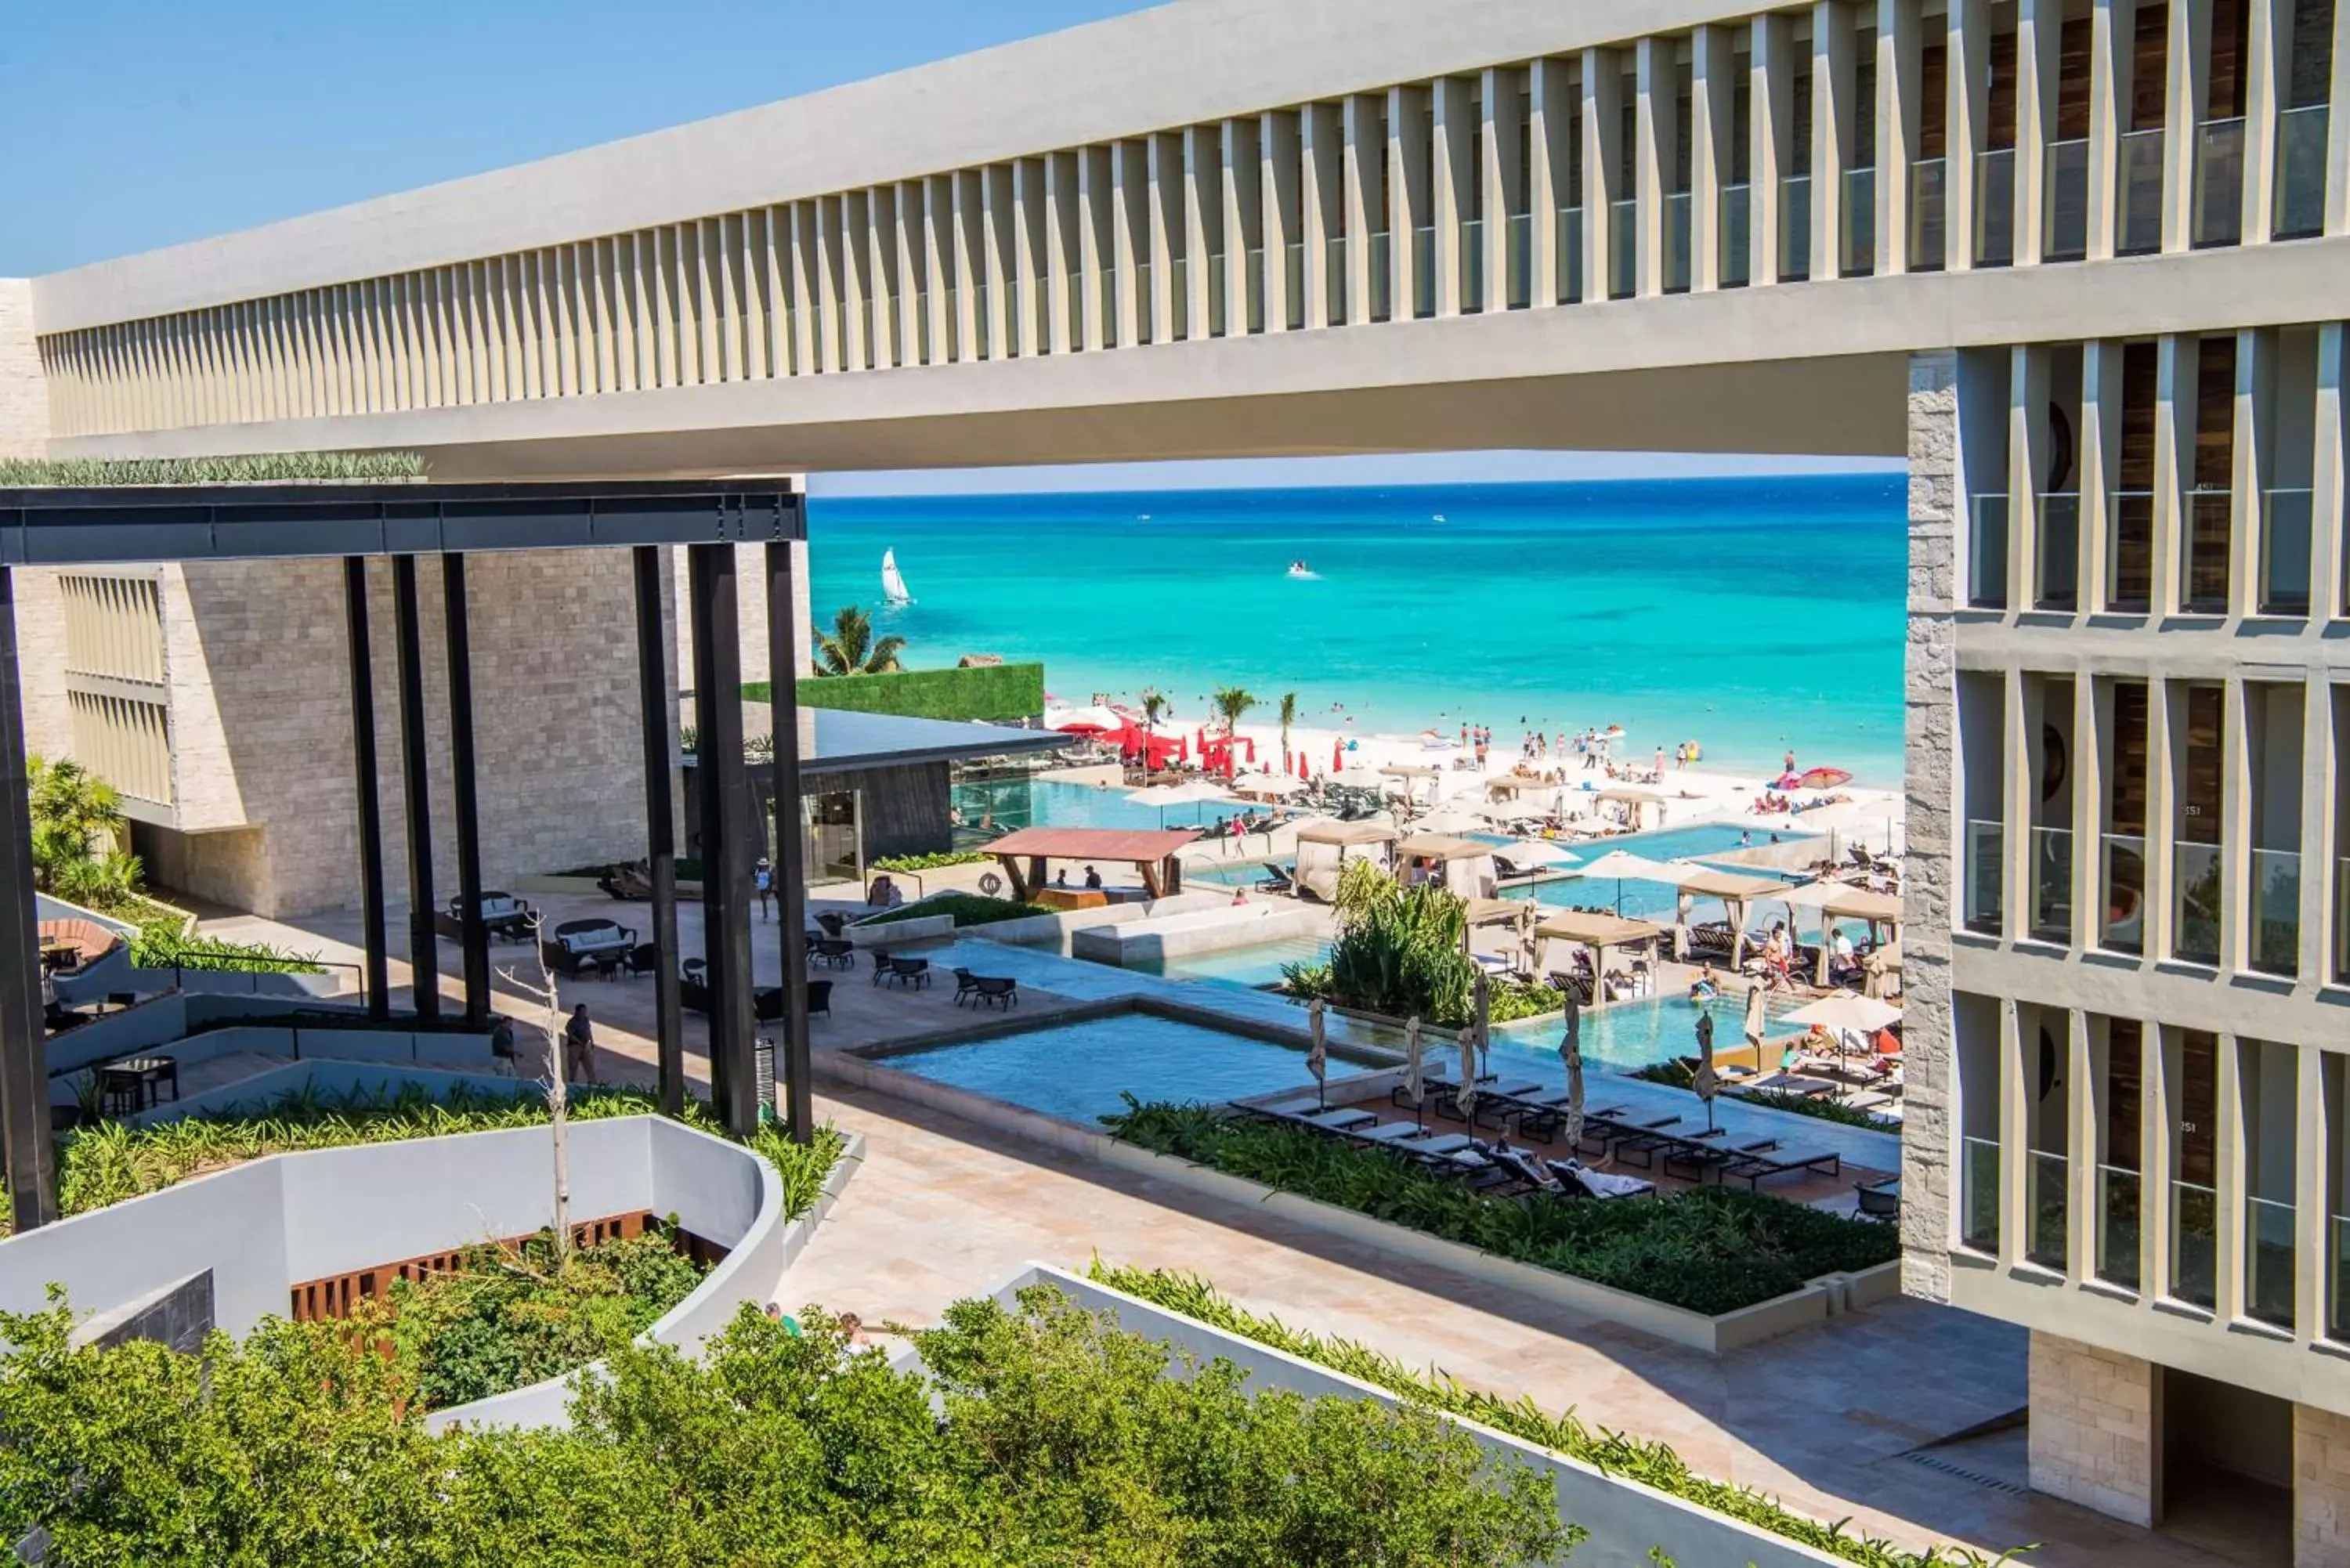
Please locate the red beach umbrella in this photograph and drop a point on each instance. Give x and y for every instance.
(1825, 778)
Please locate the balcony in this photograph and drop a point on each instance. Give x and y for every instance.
(2194, 1243)
(1856, 246)
(1677, 241)
(1995, 207)
(1520, 261)
(1570, 254)
(2301, 173)
(2051, 885)
(2064, 221)
(1987, 554)
(1423, 270)
(2195, 902)
(1979, 1194)
(1623, 249)
(2138, 187)
(2121, 923)
(1796, 228)
(2129, 551)
(2118, 1226)
(2204, 574)
(1928, 204)
(2284, 552)
(2044, 1203)
(2268, 1261)
(2276, 911)
(2058, 543)
(1736, 236)
(2219, 215)
(1986, 875)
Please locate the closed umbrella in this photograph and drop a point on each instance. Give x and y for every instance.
(1570, 1051)
(1485, 1018)
(1317, 1055)
(1468, 1075)
(1757, 1024)
(1414, 1085)
(1706, 1083)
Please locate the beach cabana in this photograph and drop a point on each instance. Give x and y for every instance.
(1410, 774)
(1463, 865)
(1325, 843)
(1150, 851)
(1738, 895)
(1842, 901)
(1638, 799)
(1596, 932)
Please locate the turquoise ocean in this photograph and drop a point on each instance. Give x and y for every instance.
(1754, 615)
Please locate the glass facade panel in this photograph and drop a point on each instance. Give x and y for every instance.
(1995, 207)
(1570, 254)
(1382, 278)
(835, 849)
(2195, 915)
(2139, 189)
(1979, 1194)
(2276, 911)
(1987, 554)
(2218, 217)
(1522, 260)
(1623, 249)
(2337, 1277)
(2045, 1203)
(2121, 926)
(1334, 281)
(2052, 884)
(1857, 245)
(2059, 558)
(2129, 551)
(2118, 1226)
(1986, 875)
(2208, 548)
(1928, 201)
(1796, 228)
(2065, 225)
(1677, 242)
(1473, 265)
(2284, 552)
(1737, 242)
(2268, 1261)
(1293, 274)
(2301, 173)
(2194, 1243)
(1423, 270)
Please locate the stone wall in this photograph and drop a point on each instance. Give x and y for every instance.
(261, 713)
(1928, 1132)
(2096, 1424)
(24, 389)
(2320, 1488)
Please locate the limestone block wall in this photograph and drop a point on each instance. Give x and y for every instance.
(41, 660)
(260, 689)
(751, 609)
(24, 389)
(1928, 1155)
(2096, 1428)
(2321, 1488)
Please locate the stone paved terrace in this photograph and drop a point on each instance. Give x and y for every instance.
(944, 1209)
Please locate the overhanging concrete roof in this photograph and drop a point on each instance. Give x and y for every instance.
(847, 740)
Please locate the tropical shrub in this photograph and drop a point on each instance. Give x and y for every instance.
(1650, 1463)
(1710, 1250)
(77, 827)
(1396, 950)
(851, 649)
(1042, 1435)
(162, 944)
(932, 862)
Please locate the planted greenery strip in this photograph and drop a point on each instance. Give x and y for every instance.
(1038, 1433)
(262, 468)
(1710, 1250)
(968, 910)
(111, 1162)
(999, 693)
(1650, 1463)
(1678, 1074)
(932, 862)
(161, 944)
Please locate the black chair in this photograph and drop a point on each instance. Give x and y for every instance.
(1003, 990)
(767, 1004)
(820, 997)
(966, 985)
(644, 957)
(880, 964)
(833, 922)
(910, 971)
(1879, 1200)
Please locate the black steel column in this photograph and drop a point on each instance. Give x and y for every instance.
(725, 816)
(363, 758)
(660, 822)
(24, 1056)
(415, 773)
(474, 937)
(785, 657)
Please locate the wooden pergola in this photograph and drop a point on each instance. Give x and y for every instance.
(1150, 851)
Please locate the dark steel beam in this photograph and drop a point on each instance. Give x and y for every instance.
(785, 657)
(24, 1056)
(725, 788)
(661, 822)
(415, 774)
(376, 971)
(474, 937)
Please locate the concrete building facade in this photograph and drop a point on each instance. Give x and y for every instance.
(2084, 263)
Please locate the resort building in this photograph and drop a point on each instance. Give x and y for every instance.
(2084, 263)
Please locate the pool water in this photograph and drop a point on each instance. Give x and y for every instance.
(1257, 964)
(1056, 803)
(1650, 901)
(1629, 1034)
(1076, 1071)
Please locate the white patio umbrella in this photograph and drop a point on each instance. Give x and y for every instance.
(1622, 866)
(1096, 717)
(1570, 1051)
(1359, 778)
(1535, 854)
(1317, 1055)
(1279, 784)
(1190, 792)
(1449, 819)
(1414, 1082)
(1846, 1013)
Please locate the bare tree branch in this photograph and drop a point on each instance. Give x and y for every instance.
(558, 1089)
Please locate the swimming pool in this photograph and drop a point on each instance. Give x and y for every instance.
(1626, 1035)
(1076, 1070)
(1256, 963)
(1056, 803)
(1650, 901)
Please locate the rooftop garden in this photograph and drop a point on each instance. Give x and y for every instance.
(1041, 1433)
(259, 468)
(1710, 1250)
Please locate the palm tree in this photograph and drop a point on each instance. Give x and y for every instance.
(77, 823)
(1154, 707)
(850, 649)
(1231, 702)
(1288, 717)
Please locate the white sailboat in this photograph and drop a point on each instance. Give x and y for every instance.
(893, 587)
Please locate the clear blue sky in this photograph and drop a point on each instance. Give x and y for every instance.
(128, 125)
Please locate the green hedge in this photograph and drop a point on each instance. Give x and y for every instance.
(999, 693)
(261, 468)
(968, 910)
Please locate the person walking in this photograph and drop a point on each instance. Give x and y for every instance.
(579, 1047)
(763, 882)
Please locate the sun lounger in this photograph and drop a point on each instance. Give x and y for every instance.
(1391, 1132)
(1447, 1096)
(1606, 1185)
(1753, 1168)
(1306, 1114)
(1693, 1159)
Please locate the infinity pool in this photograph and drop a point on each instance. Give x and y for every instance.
(1076, 1070)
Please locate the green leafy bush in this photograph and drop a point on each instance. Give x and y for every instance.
(996, 693)
(260, 468)
(161, 944)
(968, 910)
(1711, 1249)
(511, 1318)
(932, 862)
(1042, 1434)
(1399, 952)
(1652, 1464)
(109, 1162)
